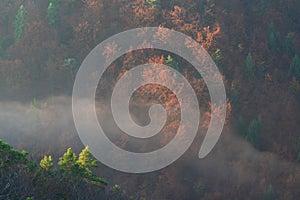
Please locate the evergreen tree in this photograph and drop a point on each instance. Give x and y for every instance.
(289, 45)
(254, 132)
(19, 23)
(171, 62)
(68, 163)
(46, 163)
(274, 38)
(261, 72)
(81, 168)
(154, 3)
(52, 13)
(234, 100)
(85, 159)
(270, 193)
(295, 67)
(218, 57)
(250, 66)
(298, 156)
(242, 128)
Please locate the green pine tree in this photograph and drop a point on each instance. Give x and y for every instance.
(218, 57)
(274, 38)
(171, 62)
(250, 66)
(81, 168)
(295, 67)
(19, 23)
(85, 159)
(254, 132)
(289, 45)
(52, 13)
(270, 193)
(154, 3)
(46, 163)
(67, 163)
(298, 156)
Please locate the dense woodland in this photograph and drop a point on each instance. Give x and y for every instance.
(256, 46)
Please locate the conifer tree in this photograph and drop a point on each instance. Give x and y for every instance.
(46, 163)
(289, 45)
(52, 13)
(295, 67)
(171, 62)
(250, 66)
(254, 132)
(274, 38)
(19, 23)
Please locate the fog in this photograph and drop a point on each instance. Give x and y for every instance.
(46, 127)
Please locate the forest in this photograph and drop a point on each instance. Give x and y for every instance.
(255, 46)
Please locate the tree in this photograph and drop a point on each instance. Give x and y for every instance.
(72, 64)
(263, 4)
(242, 128)
(250, 66)
(81, 168)
(298, 156)
(16, 172)
(171, 62)
(274, 38)
(52, 13)
(46, 163)
(19, 23)
(85, 159)
(154, 3)
(67, 163)
(261, 72)
(254, 132)
(234, 99)
(270, 193)
(218, 57)
(295, 88)
(295, 67)
(289, 45)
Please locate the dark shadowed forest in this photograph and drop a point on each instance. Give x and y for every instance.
(256, 47)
